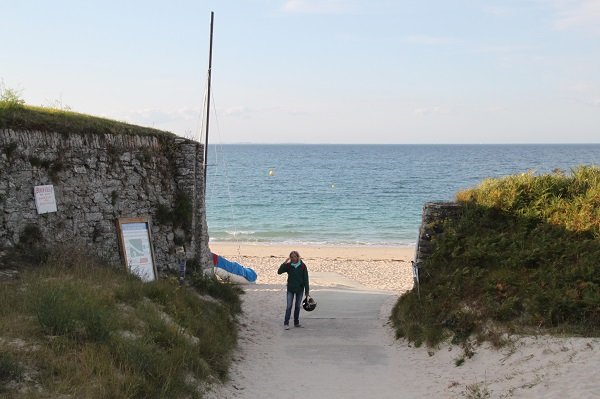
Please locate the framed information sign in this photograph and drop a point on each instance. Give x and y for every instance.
(135, 240)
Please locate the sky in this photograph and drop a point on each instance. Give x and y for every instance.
(316, 71)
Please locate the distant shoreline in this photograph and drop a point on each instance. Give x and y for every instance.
(411, 245)
(339, 252)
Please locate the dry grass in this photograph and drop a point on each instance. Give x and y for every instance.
(73, 327)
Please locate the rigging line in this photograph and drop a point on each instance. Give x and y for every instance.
(227, 181)
(200, 121)
(211, 186)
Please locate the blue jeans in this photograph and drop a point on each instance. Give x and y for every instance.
(288, 309)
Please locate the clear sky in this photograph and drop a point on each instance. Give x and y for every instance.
(317, 71)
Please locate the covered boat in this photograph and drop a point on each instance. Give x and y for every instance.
(232, 271)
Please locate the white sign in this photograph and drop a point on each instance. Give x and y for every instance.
(138, 253)
(44, 199)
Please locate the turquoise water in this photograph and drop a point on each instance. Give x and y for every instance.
(355, 194)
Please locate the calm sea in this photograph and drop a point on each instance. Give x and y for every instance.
(355, 194)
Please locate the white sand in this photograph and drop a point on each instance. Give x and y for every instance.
(341, 354)
(385, 268)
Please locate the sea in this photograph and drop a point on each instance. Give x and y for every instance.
(355, 195)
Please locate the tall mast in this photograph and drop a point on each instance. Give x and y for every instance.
(212, 16)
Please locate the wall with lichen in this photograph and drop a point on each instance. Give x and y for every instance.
(98, 178)
(433, 218)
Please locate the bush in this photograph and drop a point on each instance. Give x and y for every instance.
(10, 98)
(522, 256)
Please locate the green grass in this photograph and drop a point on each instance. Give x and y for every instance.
(523, 257)
(77, 328)
(18, 116)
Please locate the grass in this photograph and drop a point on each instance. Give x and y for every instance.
(75, 328)
(523, 257)
(16, 115)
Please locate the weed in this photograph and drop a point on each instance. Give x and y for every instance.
(54, 169)
(30, 248)
(10, 98)
(229, 293)
(114, 196)
(10, 368)
(182, 213)
(71, 311)
(475, 391)
(10, 150)
(145, 156)
(180, 216)
(163, 214)
(39, 163)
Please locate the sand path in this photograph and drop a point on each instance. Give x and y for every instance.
(346, 349)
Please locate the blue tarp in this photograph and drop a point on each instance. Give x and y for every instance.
(234, 268)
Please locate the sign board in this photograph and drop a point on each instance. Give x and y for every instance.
(135, 241)
(45, 201)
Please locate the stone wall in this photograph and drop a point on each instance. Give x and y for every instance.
(98, 178)
(434, 214)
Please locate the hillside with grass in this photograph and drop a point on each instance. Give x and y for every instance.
(16, 115)
(522, 258)
(72, 327)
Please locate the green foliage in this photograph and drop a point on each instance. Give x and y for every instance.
(39, 163)
(10, 149)
(100, 332)
(31, 248)
(228, 293)
(180, 216)
(14, 114)
(10, 368)
(54, 169)
(522, 256)
(10, 98)
(114, 196)
(164, 214)
(73, 311)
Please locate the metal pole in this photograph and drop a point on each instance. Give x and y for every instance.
(212, 16)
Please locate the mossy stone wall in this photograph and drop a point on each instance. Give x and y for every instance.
(98, 178)
(434, 215)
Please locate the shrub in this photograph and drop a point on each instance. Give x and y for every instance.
(10, 98)
(522, 255)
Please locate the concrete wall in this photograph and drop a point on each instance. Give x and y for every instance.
(98, 178)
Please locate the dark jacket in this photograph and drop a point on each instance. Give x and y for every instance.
(297, 277)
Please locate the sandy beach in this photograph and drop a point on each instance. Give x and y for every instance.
(347, 349)
(386, 268)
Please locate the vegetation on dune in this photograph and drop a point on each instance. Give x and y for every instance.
(16, 115)
(75, 327)
(523, 257)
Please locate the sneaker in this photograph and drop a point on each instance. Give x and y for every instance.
(286, 326)
(298, 325)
